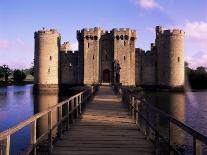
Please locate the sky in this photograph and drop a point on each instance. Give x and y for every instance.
(19, 19)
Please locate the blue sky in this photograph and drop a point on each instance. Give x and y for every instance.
(20, 18)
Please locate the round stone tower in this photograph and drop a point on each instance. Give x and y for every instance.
(47, 44)
(170, 57)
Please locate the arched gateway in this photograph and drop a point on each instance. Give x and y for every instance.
(106, 76)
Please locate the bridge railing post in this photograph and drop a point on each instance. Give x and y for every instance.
(50, 130)
(34, 135)
(68, 116)
(80, 104)
(60, 121)
(6, 146)
(71, 109)
(132, 107)
(137, 112)
(77, 106)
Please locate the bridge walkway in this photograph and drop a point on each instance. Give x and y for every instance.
(104, 128)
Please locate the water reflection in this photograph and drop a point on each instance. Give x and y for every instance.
(189, 108)
(42, 102)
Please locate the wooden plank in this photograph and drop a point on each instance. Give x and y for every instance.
(104, 128)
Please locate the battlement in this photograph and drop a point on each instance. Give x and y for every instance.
(65, 47)
(45, 32)
(173, 32)
(168, 32)
(122, 31)
(89, 33)
(140, 51)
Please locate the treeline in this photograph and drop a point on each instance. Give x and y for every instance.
(196, 78)
(16, 76)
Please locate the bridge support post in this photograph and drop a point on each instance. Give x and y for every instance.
(71, 109)
(6, 145)
(132, 106)
(50, 131)
(77, 106)
(80, 104)
(60, 121)
(137, 112)
(68, 116)
(34, 136)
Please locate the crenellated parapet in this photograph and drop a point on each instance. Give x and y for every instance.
(89, 33)
(65, 47)
(124, 34)
(161, 32)
(46, 32)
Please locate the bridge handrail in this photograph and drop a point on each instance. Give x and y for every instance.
(133, 101)
(183, 126)
(5, 135)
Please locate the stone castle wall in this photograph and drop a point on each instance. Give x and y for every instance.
(163, 65)
(68, 65)
(91, 54)
(46, 55)
(170, 57)
(124, 52)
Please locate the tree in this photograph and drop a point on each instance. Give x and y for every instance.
(5, 71)
(201, 70)
(31, 70)
(18, 76)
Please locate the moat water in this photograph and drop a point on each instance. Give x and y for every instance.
(18, 103)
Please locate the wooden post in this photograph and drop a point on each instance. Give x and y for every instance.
(80, 103)
(34, 136)
(137, 112)
(71, 110)
(132, 106)
(77, 106)
(60, 121)
(68, 117)
(6, 145)
(50, 130)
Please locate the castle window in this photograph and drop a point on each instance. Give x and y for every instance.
(91, 37)
(48, 70)
(122, 37)
(117, 37)
(88, 45)
(70, 64)
(132, 39)
(126, 37)
(50, 57)
(95, 37)
(124, 43)
(124, 58)
(87, 37)
(93, 57)
(178, 59)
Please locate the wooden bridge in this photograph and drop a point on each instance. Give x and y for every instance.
(110, 124)
(104, 128)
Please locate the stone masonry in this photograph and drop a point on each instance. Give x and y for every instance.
(110, 57)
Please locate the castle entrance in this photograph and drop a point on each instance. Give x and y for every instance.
(106, 76)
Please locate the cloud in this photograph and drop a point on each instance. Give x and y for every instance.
(198, 59)
(17, 53)
(74, 46)
(197, 32)
(147, 4)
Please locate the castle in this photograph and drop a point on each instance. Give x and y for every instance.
(109, 57)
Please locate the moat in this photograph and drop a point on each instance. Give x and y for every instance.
(17, 104)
